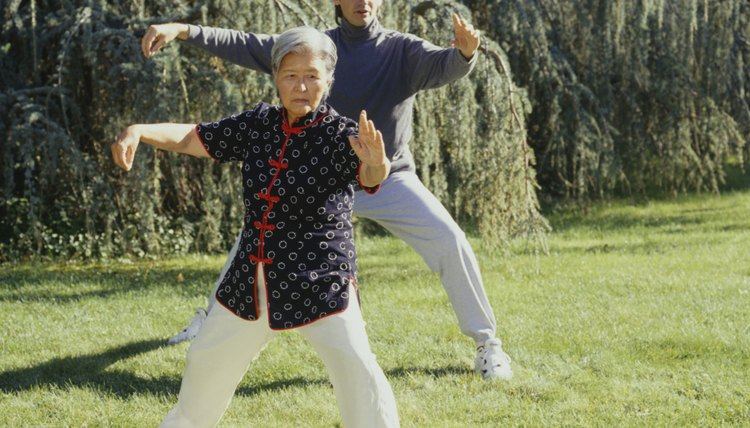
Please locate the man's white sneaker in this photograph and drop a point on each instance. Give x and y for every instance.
(492, 362)
(189, 332)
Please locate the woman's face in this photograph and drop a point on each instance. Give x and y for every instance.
(359, 12)
(302, 80)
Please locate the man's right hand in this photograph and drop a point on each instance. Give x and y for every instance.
(158, 35)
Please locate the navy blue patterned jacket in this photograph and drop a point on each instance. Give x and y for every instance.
(298, 194)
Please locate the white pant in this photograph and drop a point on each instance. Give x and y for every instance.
(408, 210)
(226, 344)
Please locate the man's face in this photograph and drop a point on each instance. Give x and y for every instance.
(359, 12)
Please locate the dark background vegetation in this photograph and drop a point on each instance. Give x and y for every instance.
(571, 101)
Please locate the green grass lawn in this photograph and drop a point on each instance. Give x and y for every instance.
(639, 316)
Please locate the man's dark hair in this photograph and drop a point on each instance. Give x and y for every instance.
(339, 14)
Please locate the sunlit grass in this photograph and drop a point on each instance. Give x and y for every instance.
(637, 317)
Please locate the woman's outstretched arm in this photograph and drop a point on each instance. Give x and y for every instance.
(172, 137)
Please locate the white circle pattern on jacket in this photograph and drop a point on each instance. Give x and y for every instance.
(298, 196)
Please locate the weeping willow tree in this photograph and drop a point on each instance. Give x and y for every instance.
(471, 143)
(73, 77)
(629, 95)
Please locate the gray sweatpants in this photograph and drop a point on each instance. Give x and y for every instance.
(408, 210)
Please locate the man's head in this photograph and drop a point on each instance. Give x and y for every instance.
(357, 12)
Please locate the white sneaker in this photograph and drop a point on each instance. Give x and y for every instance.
(492, 362)
(189, 332)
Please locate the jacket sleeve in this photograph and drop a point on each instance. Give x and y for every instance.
(433, 66)
(245, 49)
(228, 139)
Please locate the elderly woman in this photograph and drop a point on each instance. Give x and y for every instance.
(295, 267)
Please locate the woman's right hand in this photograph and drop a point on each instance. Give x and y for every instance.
(124, 147)
(368, 145)
(158, 35)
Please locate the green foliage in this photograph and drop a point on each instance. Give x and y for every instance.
(629, 95)
(73, 77)
(79, 79)
(589, 98)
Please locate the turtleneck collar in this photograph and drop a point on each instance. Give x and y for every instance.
(353, 33)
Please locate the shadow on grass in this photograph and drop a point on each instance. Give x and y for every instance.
(60, 286)
(398, 373)
(618, 222)
(88, 371)
(670, 350)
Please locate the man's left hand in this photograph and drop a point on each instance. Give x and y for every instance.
(467, 37)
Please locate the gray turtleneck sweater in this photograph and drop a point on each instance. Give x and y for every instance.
(378, 70)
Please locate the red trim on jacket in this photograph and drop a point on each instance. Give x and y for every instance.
(369, 190)
(280, 164)
(203, 145)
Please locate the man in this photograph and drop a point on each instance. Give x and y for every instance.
(380, 71)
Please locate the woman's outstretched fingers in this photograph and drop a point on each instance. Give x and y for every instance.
(377, 142)
(371, 129)
(124, 147)
(148, 40)
(119, 155)
(363, 123)
(366, 128)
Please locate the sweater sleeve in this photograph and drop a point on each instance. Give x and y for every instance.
(245, 49)
(433, 66)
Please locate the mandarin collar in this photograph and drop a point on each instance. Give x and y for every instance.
(309, 118)
(353, 33)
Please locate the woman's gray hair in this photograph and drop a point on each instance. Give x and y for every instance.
(305, 40)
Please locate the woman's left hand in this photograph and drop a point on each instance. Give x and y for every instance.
(368, 145)
(467, 37)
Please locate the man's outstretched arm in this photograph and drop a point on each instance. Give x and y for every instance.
(432, 66)
(248, 50)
